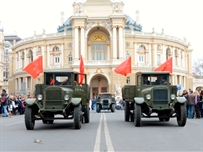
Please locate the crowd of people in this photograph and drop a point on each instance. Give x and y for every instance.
(11, 104)
(194, 103)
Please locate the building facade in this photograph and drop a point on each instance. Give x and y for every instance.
(104, 40)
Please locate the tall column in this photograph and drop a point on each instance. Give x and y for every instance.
(34, 53)
(164, 54)
(149, 55)
(76, 42)
(135, 56)
(120, 41)
(62, 55)
(20, 60)
(44, 49)
(48, 57)
(26, 58)
(43, 56)
(82, 40)
(173, 57)
(108, 52)
(114, 43)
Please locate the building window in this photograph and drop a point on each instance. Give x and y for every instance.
(55, 49)
(141, 48)
(141, 58)
(56, 60)
(28, 82)
(98, 52)
(127, 55)
(70, 58)
(158, 59)
(128, 80)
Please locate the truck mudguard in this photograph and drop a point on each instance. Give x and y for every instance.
(139, 100)
(30, 101)
(181, 99)
(76, 101)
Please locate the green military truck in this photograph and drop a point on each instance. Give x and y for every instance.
(59, 97)
(105, 101)
(153, 96)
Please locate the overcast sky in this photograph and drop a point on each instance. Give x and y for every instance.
(179, 18)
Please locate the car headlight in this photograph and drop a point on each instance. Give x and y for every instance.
(173, 96)
(66, 97)
(148, 96)
(39, 97)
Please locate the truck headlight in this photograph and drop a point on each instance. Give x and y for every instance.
(66, 97)
(173, 96)
(39, 97)
(148, 96)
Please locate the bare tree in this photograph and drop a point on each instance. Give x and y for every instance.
(198, 68)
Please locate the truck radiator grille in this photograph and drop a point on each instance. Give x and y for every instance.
(160, 96)
(105, 102)
(53, 99)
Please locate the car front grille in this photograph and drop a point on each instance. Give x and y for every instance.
(160, 96)
(105, 102)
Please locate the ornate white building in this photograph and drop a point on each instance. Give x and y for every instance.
(104, 39)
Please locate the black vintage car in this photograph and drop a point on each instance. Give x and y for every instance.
(60, 94)
(105, 101)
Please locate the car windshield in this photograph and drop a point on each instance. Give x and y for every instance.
(105, 95)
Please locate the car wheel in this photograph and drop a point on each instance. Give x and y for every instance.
(137, 115)
(98, 108)
(181, 115)
(77, 117)
(29, 118)
(127, 111)
(113, 108)
(87, 114)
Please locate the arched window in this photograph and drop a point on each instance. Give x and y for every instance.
(70, 59)
(141, 54)
(168, 53)
(55, 49)
(98, 47)
(127, 55)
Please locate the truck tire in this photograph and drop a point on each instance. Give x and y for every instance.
(77, 117)
(87, 114)
(181, 115)
(137, 115)
(29, 118)
(127, 111)
(98, 108)
(113, 108)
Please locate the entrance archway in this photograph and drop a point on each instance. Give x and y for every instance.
(98, 84)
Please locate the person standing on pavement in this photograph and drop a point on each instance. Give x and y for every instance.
(4, 103)
(191, 104)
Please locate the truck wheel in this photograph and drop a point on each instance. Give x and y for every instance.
(44, 121)
(167, 119)
(137, 115)
(113, 108)
(161, 119)
(127, 111)
(98, 108)
(77, 117)
(181, 115)
(87, 114)
(29, 118)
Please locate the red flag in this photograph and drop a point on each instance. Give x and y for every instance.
(124, 68)
(81, 69)
(52, 81)
(100, 87)
(34, 68)
(166, 66)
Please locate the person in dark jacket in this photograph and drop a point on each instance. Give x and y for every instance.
(4, 103)
(201, 104)
(191, 104)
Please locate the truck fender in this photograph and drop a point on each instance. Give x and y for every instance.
(139, 100)
(76, 101)
(30, 101)
(181, 99)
